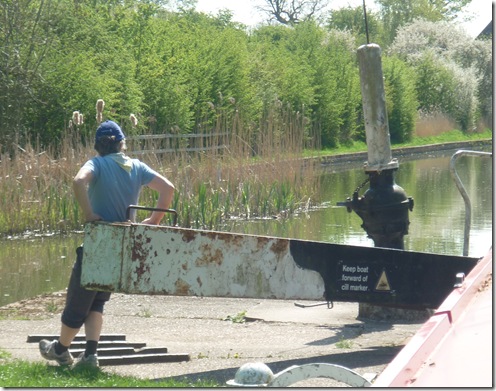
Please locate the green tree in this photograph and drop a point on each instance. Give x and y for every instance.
(397, 13)
(353, 20)
(308, 67)
(452, 69)
(294, 11)
(282, 72)
(91, 62)
(180, 70)
(191, 60)
(448, 89)
(27, 37)
(401, 99)
(337, 111)
(482, 61)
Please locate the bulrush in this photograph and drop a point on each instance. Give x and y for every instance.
(134, 120)
(75, 118)
(100, 105)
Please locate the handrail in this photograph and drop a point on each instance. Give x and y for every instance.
(463, 192)
(128, 211)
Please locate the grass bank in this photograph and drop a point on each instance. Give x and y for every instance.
(443, 138)
(24, 374)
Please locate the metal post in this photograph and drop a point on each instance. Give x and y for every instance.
(366, 22)
(464, 194)
(384, 206)
(374, 109)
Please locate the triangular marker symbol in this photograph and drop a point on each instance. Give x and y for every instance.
(383, 283)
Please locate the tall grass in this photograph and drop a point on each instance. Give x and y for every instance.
(258, 173)
(36, 189)
(213, 186)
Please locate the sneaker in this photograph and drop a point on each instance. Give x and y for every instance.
(47, 350)
(86, 362)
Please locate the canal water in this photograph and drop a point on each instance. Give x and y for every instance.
(36, 265)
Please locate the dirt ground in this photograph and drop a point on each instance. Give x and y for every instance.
(222, 334)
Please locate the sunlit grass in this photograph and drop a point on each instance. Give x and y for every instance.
(445, 137)
(24, 374)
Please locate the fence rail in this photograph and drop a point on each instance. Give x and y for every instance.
(171, 143)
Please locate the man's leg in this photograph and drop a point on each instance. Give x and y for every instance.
(93, 329)
(67, 335)
(93, 326)
(77, 306)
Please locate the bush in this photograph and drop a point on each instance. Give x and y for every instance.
(338, 109)
(401, 99)
(451, 68)
(446, 88)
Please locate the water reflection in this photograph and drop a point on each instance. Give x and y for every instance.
(35, 266)
(437, 219)
(29, 267)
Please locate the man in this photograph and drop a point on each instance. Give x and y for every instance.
(104, 187)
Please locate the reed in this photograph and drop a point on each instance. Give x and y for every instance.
(258, 174)
(433, 124)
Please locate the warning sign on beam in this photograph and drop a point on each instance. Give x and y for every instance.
(381, 276)
(383, 283)
(356, 277)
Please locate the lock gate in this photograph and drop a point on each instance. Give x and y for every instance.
(160, 260)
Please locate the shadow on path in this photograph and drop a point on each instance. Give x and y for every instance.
(374, 356)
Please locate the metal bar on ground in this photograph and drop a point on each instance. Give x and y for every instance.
(113, 344)
(143, 359)
(79, 337)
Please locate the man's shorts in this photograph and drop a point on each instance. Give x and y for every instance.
(80, 301)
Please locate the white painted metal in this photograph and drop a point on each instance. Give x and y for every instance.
(374, 109)
(298, 373)
(463, 192)
(136, 258)
(255, 374)
(108, 247)
(260, 375)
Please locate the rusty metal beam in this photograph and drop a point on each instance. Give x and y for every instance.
(144, 259)
(135, 258)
